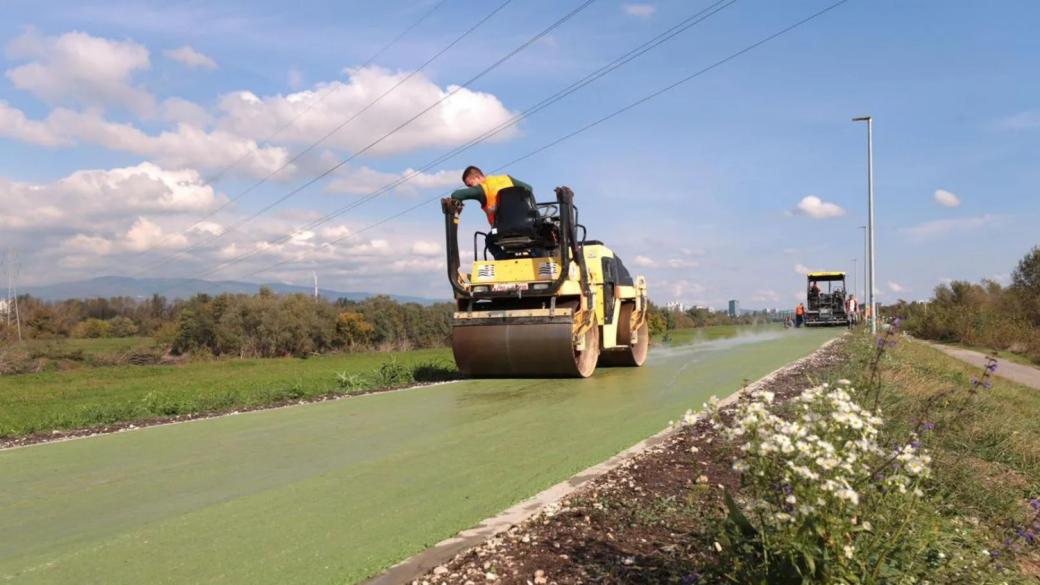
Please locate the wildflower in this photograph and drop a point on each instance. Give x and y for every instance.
(849, 550)
(791, 499)
(694, 449)
(702, 479)
(1035, 503)
(718, 547)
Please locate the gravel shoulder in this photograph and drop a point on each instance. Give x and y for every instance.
(642, 521)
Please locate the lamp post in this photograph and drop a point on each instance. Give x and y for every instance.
(870, 221)
(863, 297)
(855, 286)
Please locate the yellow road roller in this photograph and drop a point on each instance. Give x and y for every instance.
(538, 300)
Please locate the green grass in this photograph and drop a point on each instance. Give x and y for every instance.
(88, 397)
(334, 492)
(696, 334)
(987, 459)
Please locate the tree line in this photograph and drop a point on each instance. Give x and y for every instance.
(984, 314)
(260, 325)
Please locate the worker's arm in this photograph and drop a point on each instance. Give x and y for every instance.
(475, 193)
(521, 184)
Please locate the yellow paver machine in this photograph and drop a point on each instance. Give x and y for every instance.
(546, 303)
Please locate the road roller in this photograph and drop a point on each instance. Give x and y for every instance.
(539, 299)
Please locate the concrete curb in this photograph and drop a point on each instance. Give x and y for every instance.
(444, 551)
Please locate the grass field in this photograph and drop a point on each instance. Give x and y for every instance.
(986, 452)
(334, 492)
(88, 397)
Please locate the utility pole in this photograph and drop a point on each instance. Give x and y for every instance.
(864, 296)
(10, 262)
(855, 287)
(871, 288)
(315, 275)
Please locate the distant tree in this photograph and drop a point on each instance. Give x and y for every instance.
(352, 330)
(122, 326)
(92, 329)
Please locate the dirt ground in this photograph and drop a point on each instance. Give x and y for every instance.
(642, 523)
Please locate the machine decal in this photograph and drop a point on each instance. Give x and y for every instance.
(486, 272)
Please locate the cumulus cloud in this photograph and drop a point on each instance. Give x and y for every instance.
(78, 68)
(186, 145)
(89, 198)
(460, 118)
(766, 296)
(895, 287)
(640, 9)
(190, 58)
(801, 269)
(941, 227)
(421, 248)
(946, 199)
(178, 110)
(365, 180)
(816, 208)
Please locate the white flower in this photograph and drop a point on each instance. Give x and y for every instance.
(791, 499)
(694, 449)
(849, 550)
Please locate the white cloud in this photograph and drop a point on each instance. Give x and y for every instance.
(941, 227)
(895, 287)
(190, 58)
(460, 118)
(365, 180)
(88, 199)
(644, 261)
(946, 199)
(816, 208)
(422, 248)
(640, 9)
(145, 234)
(82, 69)
(801, 269)
(1027, 120)
(185, 146)
(178, 110)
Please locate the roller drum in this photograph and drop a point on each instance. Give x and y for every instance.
(505, 350)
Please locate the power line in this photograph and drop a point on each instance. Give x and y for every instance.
(590, 125)
(371, 145)
(320, 99)
(632, 54)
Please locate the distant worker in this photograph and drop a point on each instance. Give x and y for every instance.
(484, 190)
(814, 289)
(799, 315)
(851, 309)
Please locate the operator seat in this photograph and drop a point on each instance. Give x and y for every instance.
(519, 229)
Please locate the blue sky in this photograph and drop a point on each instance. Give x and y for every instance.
(114, 118)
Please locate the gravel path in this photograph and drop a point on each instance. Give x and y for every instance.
(1026, 375)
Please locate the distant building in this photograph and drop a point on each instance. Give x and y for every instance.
(675, 306)
(704, 308)
(734, 308)
(3, 307)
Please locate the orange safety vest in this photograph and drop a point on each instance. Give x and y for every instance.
(491, 187)
(799, 310)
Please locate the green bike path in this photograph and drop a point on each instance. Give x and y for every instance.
(335, 492)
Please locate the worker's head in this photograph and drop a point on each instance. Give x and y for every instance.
(472, 176)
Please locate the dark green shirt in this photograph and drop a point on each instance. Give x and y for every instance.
(476, 192)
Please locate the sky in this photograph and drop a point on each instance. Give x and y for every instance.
(186, 139)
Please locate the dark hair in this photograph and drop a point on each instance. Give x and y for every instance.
(470, 170)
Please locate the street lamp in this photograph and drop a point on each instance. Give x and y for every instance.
(863, 297)
(870, 220)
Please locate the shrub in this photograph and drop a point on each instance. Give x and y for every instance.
(92, 329)
(823, 500)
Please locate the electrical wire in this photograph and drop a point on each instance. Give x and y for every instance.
(586, 127)
(559, 22)
(625, 58)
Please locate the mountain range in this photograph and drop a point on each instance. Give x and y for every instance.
(182, 288)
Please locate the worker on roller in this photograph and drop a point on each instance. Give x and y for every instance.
(484, 190)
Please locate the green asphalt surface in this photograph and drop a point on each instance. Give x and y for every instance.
(335, 492)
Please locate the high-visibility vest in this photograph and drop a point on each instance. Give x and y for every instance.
(491, 187)
(799, 310)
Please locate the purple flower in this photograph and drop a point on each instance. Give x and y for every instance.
(987, 384)
(880, 342)
(1035, 503)
(691, 579)
(994, 554)
(974, 381)
(928, 426)
(896, 321)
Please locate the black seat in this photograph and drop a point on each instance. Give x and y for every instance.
(519, 228)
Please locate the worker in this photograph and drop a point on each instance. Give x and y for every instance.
(484, 190)
(851, 308)
(799, 315)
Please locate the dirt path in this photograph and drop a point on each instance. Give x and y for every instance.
(1026, 375)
